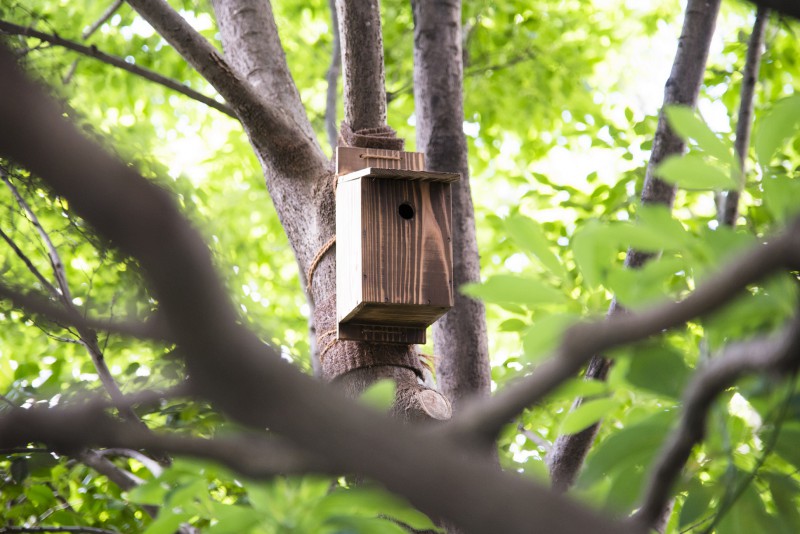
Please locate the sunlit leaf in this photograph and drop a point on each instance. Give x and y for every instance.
(588, 414)
(528, 234)
(693, 172)
(775, 129)
(689, 125)
(513, 289)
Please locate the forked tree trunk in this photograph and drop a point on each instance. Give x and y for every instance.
(683, 87)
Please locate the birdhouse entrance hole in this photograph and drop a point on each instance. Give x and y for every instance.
(394, 253)
(406, 211)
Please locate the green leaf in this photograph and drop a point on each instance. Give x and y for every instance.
(780, 124)
(634, 445)
(592, 250)
(696, 505)
(688, 124)
(370, 502)
(151, 492)
(786, 445)
(167, 522)
(232, 519)
(364, 525)
(528, 234)
(784, 491)
(380, 395)
(587, 414)
(781, 195)
(747, 515)
(693, 172)
(579, 387)
(514, 289)
(659, 219)
(545, 335)
(659, 369)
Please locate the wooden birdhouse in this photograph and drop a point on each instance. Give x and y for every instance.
(394, 252)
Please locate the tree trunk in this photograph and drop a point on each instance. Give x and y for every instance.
(460, 345)
(728, 202)
(682, 88)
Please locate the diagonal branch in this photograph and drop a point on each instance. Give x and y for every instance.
(91, 51)
(107, 14)
(682, 87)
(274, 131)
(253, 50)
(582, 340)
(87, 336)
(251, 383)
(779, 354)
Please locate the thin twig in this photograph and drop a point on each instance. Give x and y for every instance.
(581, 341)
(779, 354)
(92, 51)
(535, 437)
(57, 265)
(729, 500)
(103, 18)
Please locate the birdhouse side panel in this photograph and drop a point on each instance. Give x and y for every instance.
(407, 247)
(348, 249)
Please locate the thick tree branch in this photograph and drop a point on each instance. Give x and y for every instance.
(74, 429)
(682, 88)
(92, 51)
(253, 50)
(583, 340)
(362, 63)
(460, 340)
(251, 383)
(779, 354)
(275, 132)
(729, 201)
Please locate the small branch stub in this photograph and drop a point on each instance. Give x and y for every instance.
(394, 266)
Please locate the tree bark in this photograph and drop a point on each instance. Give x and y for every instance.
(362, 63)
(460, 344)
(728, 205)
(682, 88)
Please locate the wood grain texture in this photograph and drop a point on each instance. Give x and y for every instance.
(378, 333)
(350, 159)
(401, 174)
(394, 248)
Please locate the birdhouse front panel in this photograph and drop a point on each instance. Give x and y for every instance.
(393, 253)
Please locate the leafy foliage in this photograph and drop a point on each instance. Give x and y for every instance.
(558, 152)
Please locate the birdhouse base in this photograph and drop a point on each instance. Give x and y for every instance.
(407, 335)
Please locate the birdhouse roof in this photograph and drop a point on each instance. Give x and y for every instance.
(400, 174)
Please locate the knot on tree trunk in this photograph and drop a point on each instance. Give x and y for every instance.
(382, 137)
